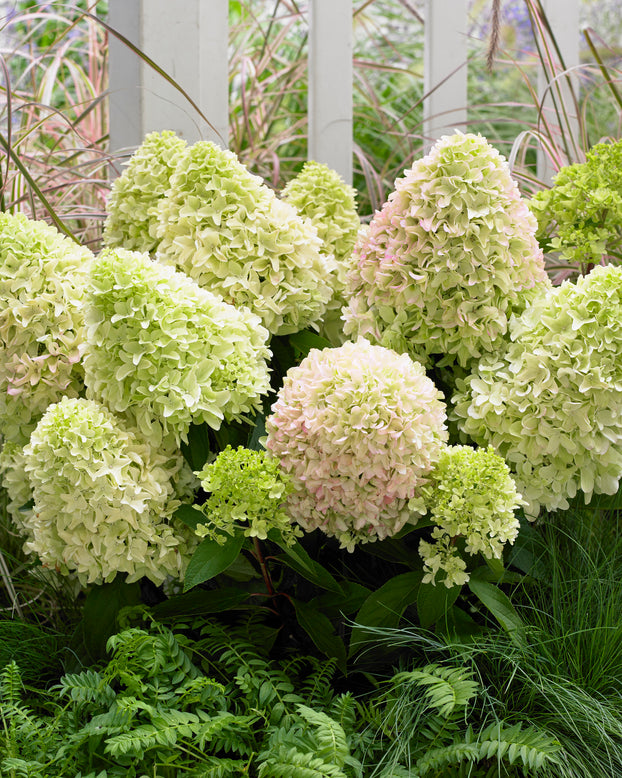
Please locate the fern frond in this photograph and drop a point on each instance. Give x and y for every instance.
(444, 756)
(331, 740)
(215, 767)
(291, 763)
(530, 746)
(446, 688)
(87, 686)
(11, 684)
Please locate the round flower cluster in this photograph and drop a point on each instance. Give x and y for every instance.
(472, 496)
(551, 405)
(42, 281)
(132, 204)
(448, 259)
(358, 428)
(247, 492)
(166, 352)
(228, 231)
(321, 195)
(102, 499)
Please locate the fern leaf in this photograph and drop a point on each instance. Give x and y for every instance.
(291, 763)
(87, 686)
(530, 746)
(444, 756)
(11, 685)
(331, 740)
(446, 688)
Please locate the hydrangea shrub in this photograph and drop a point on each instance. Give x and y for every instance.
(322, 196)
(551, 405)
(166, 352)
(247, 491)
(473, 497)
(132, 204)
(42, 280)
(358, 429)
(449, 258)
(229, 232)
(102, 498)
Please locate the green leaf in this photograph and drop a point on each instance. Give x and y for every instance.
(197, 450)
(497, 602)
(99, 615)
(348, 601)
(190, 515)
(433, 602)
(321, 632)
(210, 559)
(384, 607)
(302, 342)
(259, 432)
(297, 559)
(201, 601)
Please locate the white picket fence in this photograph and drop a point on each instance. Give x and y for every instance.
(188, 40)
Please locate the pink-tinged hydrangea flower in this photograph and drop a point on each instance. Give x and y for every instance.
(551, 405)
(103, 499)
(132, 205)
(228, 231)
(472, 496)
(358, 428)
(449, 258)
(322, 196)
(167, 353)
(42, 281)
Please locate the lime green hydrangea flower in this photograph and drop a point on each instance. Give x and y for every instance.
(132, 205)
(228, 231)
(472, 496)
(322, 196)
(167, 353)
(449, 258)
(358, 428)
(248, 491)
(551, 404)
(103, 499)
(580, 216)
(42, 281)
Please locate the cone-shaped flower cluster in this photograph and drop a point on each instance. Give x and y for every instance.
(132, 205)
(448, 259)
(102, 498)
(228, 231)
(42, 281)
(167, 353)
(320, 194)
(358, 428)
(552, 404)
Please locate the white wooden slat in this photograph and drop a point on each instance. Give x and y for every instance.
(563, 17)
(445, 71)
(190, 45)
(330, 84)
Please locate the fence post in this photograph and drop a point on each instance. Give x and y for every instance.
(330, 84)
(190, 45)
(445, 68)
(563, 18)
